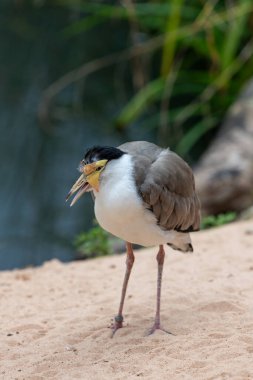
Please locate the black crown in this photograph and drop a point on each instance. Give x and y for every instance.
(98, 153)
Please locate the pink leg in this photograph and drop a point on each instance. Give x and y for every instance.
(118, 320)
(160, 261)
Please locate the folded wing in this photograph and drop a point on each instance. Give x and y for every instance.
(166, 184)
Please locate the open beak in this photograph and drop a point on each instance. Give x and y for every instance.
(88, 180)
(81, 186)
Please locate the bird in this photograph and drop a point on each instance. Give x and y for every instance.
(145, 195)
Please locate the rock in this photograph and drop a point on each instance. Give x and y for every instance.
(224, 175)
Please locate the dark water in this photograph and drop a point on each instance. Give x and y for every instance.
(38, 162)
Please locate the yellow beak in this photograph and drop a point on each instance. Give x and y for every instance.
(80, 187)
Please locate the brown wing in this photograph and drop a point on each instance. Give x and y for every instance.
(166, 185)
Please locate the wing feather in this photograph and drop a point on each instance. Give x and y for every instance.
(166, 184)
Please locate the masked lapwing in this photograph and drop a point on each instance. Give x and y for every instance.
(144, 195)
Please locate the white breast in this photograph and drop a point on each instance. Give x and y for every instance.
(119, 209)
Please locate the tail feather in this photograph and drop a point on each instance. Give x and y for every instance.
(181, 242)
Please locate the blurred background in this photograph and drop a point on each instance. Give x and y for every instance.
(77, 73)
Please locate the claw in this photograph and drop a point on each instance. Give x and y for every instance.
(158, 327)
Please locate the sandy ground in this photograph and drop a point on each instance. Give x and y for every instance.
(54, 319)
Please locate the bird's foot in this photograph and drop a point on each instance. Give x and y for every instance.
(157, 326)
(118, 324)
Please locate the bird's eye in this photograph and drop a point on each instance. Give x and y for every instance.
(99, 168)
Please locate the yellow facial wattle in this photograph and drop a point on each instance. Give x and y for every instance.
(92, 172)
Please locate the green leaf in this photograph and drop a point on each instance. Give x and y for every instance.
(218, 220)
(93, 243)
(171, 38)
(191, 137)
(234, 33)
(151, 92)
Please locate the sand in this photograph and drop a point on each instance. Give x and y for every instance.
(54, 319)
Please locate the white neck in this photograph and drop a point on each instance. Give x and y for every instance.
(117, 172)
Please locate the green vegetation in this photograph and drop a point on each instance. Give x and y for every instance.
(186, 62)
(217, 220)
(93, 243)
